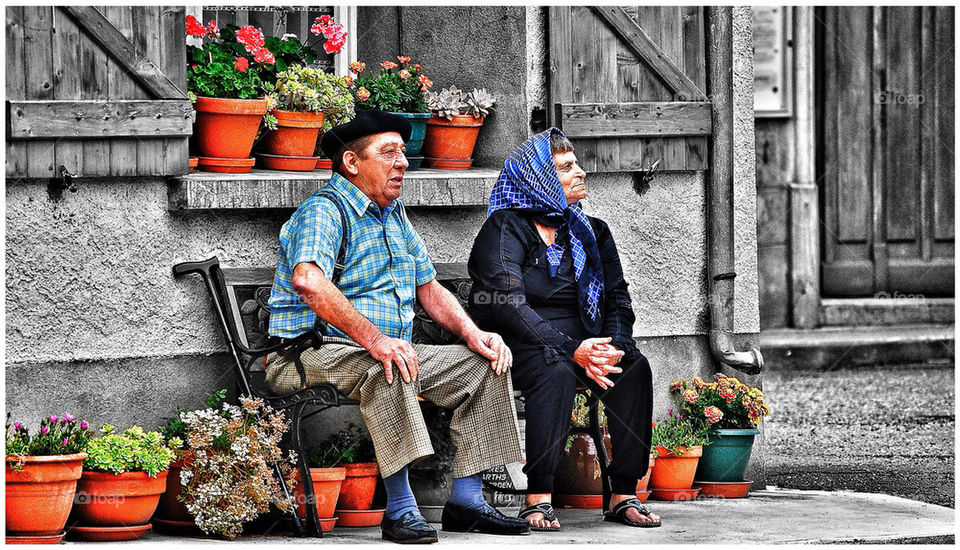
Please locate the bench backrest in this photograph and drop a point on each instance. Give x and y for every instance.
(248, 291)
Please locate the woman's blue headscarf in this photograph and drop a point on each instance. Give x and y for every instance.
(529, 182)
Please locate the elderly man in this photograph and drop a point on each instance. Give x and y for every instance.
(366, 300)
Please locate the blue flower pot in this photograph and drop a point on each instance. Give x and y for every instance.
(727, 455)
(419, 123)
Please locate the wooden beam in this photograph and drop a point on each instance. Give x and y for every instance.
(641, 43)
(593, 120)
(99, 119)
(136, 62)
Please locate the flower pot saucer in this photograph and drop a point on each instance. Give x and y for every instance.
(324, 164)
(724, 489)
(360, 518)
(226, 165)
(35, 539)
(288, 163)
(108, 534)
(642, 496)
(193, 161)
(447, 164)
(674, 494)
(578, 501)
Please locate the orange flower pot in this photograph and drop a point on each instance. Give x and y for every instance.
(226, 128)
(105, 499)
(39, 497)
(296, 133)
(326, 487)
(358, 486)
(449, 141)
(675, 472)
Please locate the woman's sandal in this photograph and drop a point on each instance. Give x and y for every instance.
(542, 508)
(619, 514)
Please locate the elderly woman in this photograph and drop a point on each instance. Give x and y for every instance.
(547, 277)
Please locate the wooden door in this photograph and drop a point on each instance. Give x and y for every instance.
(627, 85)
(96, 91)
(886, 121)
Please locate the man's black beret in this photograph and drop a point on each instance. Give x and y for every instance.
(364, 124)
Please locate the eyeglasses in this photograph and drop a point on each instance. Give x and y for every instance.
(391, 155)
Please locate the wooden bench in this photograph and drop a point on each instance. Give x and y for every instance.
(240, 297)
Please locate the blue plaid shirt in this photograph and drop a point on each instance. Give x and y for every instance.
(386, 259)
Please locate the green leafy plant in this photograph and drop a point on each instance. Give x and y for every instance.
(177, 429)
(229, 63)
(348, 446)
(230, 479)
(451, 102)
(398, 87)
(132, 450)
(677, 434)
(303, 89)
(724, 403)
(63, 435)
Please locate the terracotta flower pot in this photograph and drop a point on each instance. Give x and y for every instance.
(450, 140)
(296, 133)
(356, 493)
(39, 496)
(226, 165)
(105, 499)
(326, 487)
(675, 472)
(226, 128)
(169, 507)
(324, 164)
(193, 161)
(287, 163)
(577, 481)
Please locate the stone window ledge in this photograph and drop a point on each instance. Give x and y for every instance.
(271, 189)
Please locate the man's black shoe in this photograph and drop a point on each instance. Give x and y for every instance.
(483, 520)
(410, 528)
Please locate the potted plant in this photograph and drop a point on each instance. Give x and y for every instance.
(41, 476)
(171, 513)
(730, 411)
(224, 83)
(678, 443)
(398, 89)
(340, 109)
(124, 475)
(577, 481)
(452, 130)
(230, 479)
(352, 448)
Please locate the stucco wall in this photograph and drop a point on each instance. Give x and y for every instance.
(97, 325)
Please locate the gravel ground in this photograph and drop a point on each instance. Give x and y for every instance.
(878, 429)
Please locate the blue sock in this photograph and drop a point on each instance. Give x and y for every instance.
(400, 499)
(468, 492)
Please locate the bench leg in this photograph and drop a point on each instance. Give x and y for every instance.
(306, 483)
(597, 435)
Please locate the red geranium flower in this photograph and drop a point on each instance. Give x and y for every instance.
(263, 55)
(241, 64)
(389, 65)
(194, 28)
(213, 30)
(404, 59)
(251, 38)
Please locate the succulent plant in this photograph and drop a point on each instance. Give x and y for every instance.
(479, 102)
(448, 103)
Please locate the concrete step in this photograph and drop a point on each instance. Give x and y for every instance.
(839, 347)
(769, 516)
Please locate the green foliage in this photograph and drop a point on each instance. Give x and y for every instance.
(303, 89)
(131, 451)
(397, 88)
(677, 433)
(176, 429)
(62, 435)
(288, 53)
(213, 72)
(349, 446)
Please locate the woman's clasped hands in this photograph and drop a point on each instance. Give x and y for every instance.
(598, 359)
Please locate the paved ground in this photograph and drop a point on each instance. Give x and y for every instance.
(873, 429)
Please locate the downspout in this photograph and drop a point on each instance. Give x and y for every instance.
(720, 241)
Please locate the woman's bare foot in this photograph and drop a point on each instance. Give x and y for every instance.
(536, 519)
(632, 513)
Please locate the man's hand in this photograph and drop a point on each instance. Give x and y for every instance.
(394, 351)
(491, 346)
(598, 359)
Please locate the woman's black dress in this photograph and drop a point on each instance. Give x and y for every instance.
(538, 316)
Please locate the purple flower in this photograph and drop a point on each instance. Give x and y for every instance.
(67, 418)
(83, 424)
(670, 412)
(53, 419)
(44, 430)
(63, 443)
(16, 426)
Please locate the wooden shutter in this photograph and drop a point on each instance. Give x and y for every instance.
(627, 85)
(96, 91)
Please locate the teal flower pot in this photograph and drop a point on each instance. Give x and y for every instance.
(727, 455)
(419, 123)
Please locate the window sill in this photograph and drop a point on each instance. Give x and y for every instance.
(271, 189)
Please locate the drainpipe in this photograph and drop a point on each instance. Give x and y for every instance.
(720, 241)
